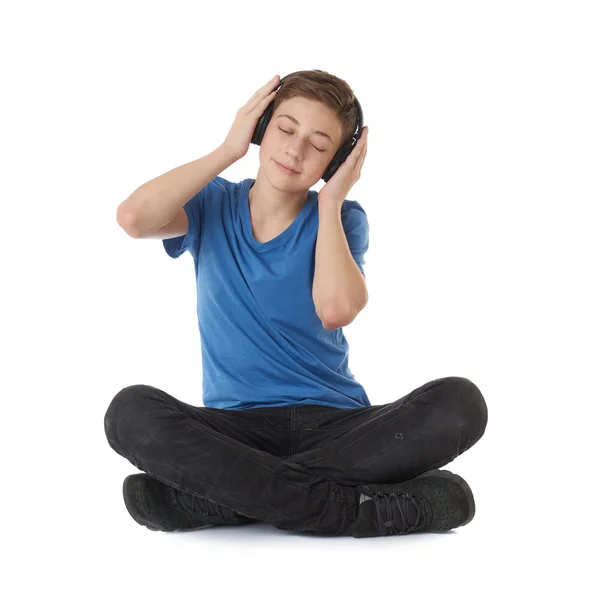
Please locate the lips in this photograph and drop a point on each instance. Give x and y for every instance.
(286, 167)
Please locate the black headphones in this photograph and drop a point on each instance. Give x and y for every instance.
(340, 156)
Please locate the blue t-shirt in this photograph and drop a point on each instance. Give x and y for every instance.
(263, 344)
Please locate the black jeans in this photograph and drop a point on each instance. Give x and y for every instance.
(295, 467)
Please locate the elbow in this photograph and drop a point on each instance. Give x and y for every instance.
(334, 318)
(126, 222)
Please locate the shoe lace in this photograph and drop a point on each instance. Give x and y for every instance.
(195, 504)
(385, 502)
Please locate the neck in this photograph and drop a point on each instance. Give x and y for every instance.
(267, 203)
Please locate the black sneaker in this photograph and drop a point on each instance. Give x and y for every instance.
(162, 508)
(433, 502)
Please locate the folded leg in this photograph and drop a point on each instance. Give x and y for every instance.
(394, 442)
(166, 438)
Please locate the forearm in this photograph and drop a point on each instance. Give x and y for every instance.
(156, 202)
(339, 290)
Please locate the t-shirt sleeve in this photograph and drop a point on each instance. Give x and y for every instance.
(176, 246)
(356, 227)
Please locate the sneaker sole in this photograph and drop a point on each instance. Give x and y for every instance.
(464, 486)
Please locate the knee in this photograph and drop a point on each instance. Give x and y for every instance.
(124, 413)
(467, 403)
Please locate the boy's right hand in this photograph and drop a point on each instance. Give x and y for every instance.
(241, 132)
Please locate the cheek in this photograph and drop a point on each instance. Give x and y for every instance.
(264, 153)
(325, 159)
(268, 146)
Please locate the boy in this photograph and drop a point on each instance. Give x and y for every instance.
(286, 435)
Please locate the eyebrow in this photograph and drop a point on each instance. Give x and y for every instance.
(321, 133)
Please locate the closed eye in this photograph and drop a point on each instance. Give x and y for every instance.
(290, 132)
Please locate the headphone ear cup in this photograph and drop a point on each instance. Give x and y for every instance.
(336, 162)
(261, 126)
(258, 131)
(330, 170)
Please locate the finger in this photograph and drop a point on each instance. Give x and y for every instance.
(364, 139)
(352, 156)
(361, 162)
(363, 136)
(360, 144)
(359, 166)
(269, 85)
(262, 104)
(361, 159)
(259, 103)
(360, 148)
(265, 89)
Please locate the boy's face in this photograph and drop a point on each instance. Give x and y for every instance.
(294, 142)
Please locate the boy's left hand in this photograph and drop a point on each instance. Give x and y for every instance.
(337, 188)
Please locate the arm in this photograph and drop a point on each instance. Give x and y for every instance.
(157, 202)
(339, 289)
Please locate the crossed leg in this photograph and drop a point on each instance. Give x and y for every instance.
(312, 491)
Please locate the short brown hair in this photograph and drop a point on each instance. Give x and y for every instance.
(326, 88)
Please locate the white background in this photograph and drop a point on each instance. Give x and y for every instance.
(481, 187)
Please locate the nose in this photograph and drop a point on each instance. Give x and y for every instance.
(294, 150)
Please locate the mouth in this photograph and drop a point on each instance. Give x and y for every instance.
(285, 169)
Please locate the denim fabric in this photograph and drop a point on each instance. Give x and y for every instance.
(295, 467)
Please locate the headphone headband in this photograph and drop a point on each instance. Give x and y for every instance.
(343, 151)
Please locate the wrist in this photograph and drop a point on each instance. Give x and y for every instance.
(227, 153)
(330, 206)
